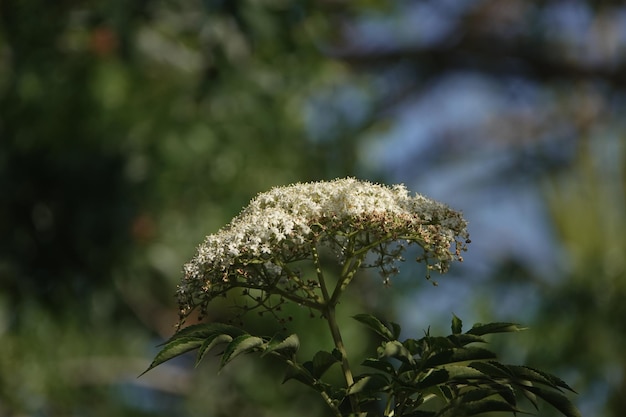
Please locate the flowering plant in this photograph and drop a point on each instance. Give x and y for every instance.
(363, 225)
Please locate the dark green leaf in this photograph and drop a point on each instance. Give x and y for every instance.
(535, 375)
(413, 346)
(381, 365)
(239, 345)
(457, 325)
(210, 342)
(449, 373)
(479, 407)
(322, 361)
(395, 329)
(433, 377)
(463, 339)
(556, 399)
(458, 355)
(286, 346)
(493, 369)
(300, 374)
(419, 413)
(482, 329)
(368, 383)
(376, 325)
(204, 330)
(174, 347)
(193, 337)
(479, 394)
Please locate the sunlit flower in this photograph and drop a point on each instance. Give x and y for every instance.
(357, 220)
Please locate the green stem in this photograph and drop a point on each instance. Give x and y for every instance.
(329, 314)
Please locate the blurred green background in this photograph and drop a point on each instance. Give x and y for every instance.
(131, 129)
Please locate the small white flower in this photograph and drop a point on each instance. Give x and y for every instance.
(349, 216)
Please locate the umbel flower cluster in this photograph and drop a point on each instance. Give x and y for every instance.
(361, 223)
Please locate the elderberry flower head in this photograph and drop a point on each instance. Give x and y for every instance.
(353, 219)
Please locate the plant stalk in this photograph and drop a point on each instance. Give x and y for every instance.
(329, 314)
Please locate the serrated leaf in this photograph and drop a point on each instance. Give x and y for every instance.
(483, 406)
(492, 368)
(322, 361)
(286, 346)
(458, 355)
(369, 383)
(210, 342)
(376, 325)
(457, 325)
(433, 377)
(556, 400)
(483, 329)
(189, 338)
(239, 345)
(464, 339)
(173, 348)
(300, 374)
(541, 377)
(448, 373)
(479, 394)
(204, 330)
(381, 365)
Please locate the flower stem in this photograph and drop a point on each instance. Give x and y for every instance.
(329, 314)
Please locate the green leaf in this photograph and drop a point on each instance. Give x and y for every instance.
(174, 347)
(286, 346)
(463, 339)
(413, 346)
(482, 329)
(376, 325)
(484, 392)
(457, 325)
(239, 345)
(368, 383)
(493, 369)
(433, 377)
(379, 364)
(204, 330)
(300, 374)
(479, 407)
(395, 329)
(458, 355)
(322, 361)
(556, 399)
(193, 337)
(210, 342)
(535, 375)
(448, 373)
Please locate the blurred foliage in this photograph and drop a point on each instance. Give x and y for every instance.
(129, 130)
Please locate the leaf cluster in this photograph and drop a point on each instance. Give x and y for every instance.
(437, 376)
(433, 376)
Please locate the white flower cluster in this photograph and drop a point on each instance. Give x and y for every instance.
(285, 224)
